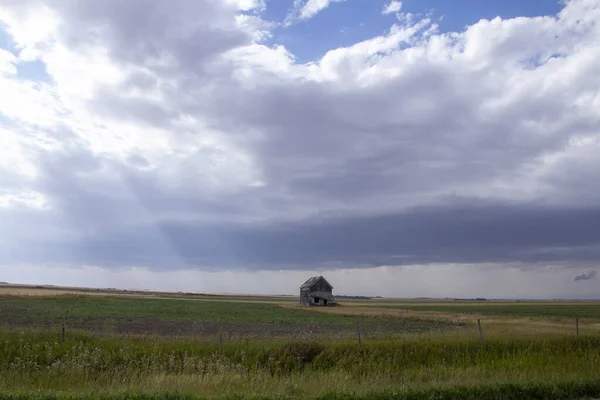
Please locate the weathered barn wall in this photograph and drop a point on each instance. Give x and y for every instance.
(305, 296)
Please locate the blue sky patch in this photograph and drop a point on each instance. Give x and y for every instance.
(345, 23)
(33, 71)
(29, 70)
(6, 42)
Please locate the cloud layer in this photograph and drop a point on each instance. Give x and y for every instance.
(172, 136)
(392, 7)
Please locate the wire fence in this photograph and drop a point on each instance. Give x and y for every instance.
(359, 329)
(222, 332)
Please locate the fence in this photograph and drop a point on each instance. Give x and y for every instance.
(358, 329)
(222, 335)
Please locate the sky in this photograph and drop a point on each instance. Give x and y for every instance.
(416, 148)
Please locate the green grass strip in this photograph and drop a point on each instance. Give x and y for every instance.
(554, 391)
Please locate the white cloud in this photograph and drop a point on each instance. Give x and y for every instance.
(32, 22)
(306, 9)
(393, 7)
(247, 5)
(29, 199)
(359, 61)
(7, 63)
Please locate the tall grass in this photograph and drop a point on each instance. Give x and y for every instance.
(94, 365)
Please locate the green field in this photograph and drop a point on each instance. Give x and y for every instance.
(135, 347)
(195, 318)
(81, 307)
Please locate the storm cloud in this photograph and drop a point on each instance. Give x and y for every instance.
(586, 276)
(175, 136)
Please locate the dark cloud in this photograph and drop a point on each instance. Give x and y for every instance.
(482, 233)
(188, 31)
(586, 276)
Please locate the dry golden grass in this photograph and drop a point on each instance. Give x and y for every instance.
(50, 291)
(397, 303)
(7, 291)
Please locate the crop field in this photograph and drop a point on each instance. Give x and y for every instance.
(189, 346)
(194, 318)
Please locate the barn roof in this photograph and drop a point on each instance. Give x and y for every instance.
(311, 281)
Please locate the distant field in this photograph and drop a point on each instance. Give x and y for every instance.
(38, 290)
(520, 309)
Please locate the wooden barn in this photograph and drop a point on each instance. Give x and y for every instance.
(317, 292)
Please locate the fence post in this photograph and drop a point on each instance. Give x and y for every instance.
(221, 325)
(63, 330)
(480, 332)
(576, 326)
(358, 332)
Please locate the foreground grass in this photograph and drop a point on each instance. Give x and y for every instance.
(92, 366)
(562, 390)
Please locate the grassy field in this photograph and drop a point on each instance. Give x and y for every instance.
(199, 318)
(138, 347)
(85, 365)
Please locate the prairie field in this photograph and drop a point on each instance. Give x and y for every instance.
(88, 345)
